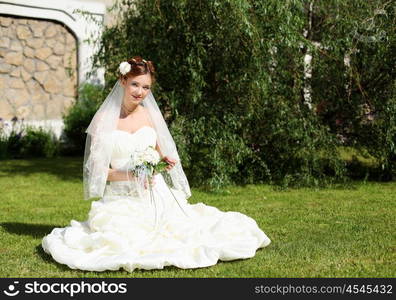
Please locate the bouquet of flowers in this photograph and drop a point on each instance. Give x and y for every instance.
(144, 164)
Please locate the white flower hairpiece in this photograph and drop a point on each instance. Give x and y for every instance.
(125, 67)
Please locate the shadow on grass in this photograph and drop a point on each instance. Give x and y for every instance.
(65, 168)
(34, 230)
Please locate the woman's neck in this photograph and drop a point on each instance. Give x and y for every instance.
(126, 110)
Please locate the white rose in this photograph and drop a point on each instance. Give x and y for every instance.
(148, 158)
(125, 67)
(152, 156)
(138, 161)
(136, 158)
(156, 157)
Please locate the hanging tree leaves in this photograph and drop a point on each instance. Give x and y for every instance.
(232, 81)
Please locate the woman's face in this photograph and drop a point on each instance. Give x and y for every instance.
(136, 88)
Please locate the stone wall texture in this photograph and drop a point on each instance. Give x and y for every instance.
(38, 69)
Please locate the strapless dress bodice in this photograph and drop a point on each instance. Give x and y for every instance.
(125, 143)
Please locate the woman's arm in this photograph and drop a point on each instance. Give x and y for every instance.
(116, 175)
(159, 150)
(171, 162)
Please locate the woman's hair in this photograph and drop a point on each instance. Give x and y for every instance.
(139, 66)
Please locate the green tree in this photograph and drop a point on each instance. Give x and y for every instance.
(233, 83)
(354, 74)
(230, 76)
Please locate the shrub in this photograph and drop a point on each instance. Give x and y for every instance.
(78, 117)
(25, 141)
(3, 141)
(36, 142)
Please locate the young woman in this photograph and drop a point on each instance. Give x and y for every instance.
(149, 225)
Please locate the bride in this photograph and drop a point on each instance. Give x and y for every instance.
(144, 224)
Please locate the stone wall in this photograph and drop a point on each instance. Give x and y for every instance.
(38, 69)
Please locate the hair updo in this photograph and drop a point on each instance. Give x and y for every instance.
(139, 66)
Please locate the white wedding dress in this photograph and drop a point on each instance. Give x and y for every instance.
(126, 231)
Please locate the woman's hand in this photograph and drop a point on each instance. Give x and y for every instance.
(171, 162)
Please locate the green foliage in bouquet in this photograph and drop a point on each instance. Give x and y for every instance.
(160, 167)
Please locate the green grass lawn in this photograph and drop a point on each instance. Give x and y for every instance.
(332, 232)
